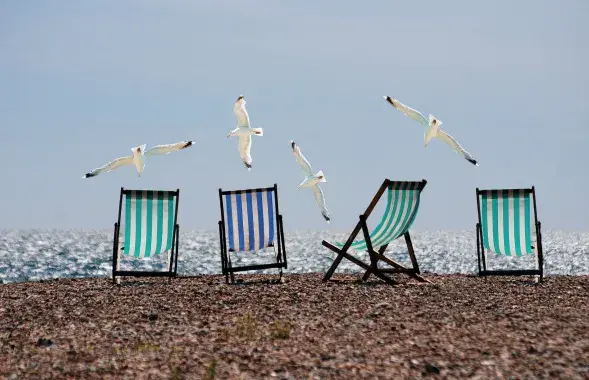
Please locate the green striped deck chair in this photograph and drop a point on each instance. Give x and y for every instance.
(508, 226)
(400, 212)
(150, 228)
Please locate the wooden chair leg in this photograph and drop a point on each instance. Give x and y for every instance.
(381, 250)
(335, 263)
(402, 269)
(365, 266)
(411, 252)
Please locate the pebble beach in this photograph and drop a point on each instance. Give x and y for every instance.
(459, 326)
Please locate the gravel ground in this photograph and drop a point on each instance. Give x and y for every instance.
(303, 328)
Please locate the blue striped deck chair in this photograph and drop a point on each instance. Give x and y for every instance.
(508, 225)
(400, 212)
(250, 222)
(150, 228)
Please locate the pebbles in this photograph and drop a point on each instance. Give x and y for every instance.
(459, 327)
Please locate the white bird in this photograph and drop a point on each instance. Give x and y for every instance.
(168, 148)
(135, 159)
(433, 128)
(244, 131)
(311, 180)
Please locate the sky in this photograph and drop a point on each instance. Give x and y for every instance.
(82, 82)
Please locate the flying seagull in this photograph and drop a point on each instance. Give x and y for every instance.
(244, 131)
(433, 128)
(311, 180)
(135, 159)
(168, 148)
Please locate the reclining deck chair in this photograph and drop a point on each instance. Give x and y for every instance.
(508, 225)
(250, 221)
(401, 210)
(150, 228)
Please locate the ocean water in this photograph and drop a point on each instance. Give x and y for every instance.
(28, 255)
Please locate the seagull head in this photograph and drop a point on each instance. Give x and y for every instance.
(389, 99)
(433, 121)
(295, 148)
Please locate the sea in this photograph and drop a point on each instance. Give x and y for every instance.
(32, 255)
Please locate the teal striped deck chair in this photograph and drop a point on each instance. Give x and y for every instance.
(508, 226)
(250, 222)
(149, 229)
(401, 210)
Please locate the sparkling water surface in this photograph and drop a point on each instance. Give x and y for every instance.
(27, 255)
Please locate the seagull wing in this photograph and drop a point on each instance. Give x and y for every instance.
(168, 148)
(302, 161)
(320, 199)
(456, 146)
(244, 146)
(243, 119)
(114, 164)
(408, 111)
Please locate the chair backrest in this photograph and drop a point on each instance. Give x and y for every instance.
(149, 220)
(402, 205)
(249, 218)
(508, 220)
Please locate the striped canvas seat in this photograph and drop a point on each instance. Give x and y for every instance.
(507, 222)
(149, 222)
(508, 226)
(250, 219)
(400, 212)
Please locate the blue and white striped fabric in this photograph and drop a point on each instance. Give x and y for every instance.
(249, 219)
(149, 222)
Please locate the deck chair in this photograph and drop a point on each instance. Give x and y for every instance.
(150, 228)
(401, 210)
(508, 225)
(250, 221)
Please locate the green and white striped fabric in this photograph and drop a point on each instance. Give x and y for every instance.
(401, 210)
(149, 222)
(507, 222)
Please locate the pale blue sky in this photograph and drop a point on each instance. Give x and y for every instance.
(81, 82)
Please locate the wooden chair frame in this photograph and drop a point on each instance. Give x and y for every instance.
(375, 256)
